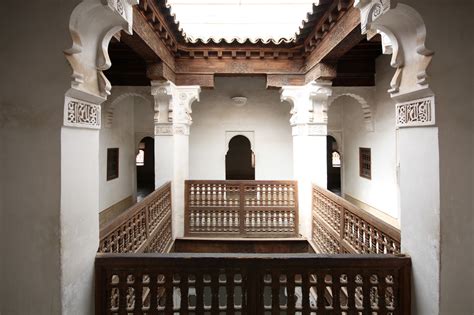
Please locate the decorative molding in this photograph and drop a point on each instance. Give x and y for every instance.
(309, 102)
(116, 98)
(81, 114)
(415, 113)
(171, 129)
(92, 25)
(310, 130)
(404, 35)
(364, 96)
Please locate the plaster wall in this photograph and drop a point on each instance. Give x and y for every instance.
(451, 75)
(264, 115)
(34, 76)
(345, 117)
(121, 136)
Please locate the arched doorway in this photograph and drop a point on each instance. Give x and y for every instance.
(240, 159)
(333, 166)
(145, 163)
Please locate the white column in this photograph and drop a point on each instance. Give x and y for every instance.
(309, 128)
(172, 124)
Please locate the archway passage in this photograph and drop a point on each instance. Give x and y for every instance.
(240, 160)
(145, 163)
(333, 166)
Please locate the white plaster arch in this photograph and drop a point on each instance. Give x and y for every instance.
(404, 34)
(119, 97)
(229, 135)
(366, 105)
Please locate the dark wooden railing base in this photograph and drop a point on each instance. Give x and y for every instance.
(252, 284)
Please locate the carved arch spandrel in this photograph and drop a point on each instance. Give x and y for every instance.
(116, 98)
(366, 102)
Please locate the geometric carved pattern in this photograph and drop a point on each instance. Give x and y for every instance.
(416, 113)
(341, 227)
(145, 227)
(81, 114)
(252, 284)
(241, 208)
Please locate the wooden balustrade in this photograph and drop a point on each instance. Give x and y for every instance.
(241, 208)
(341, 227)
(252, 284)
(144, 228)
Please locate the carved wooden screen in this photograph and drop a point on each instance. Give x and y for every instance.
(145, 227)
(341, 227)
(252, 284)
(241, 208)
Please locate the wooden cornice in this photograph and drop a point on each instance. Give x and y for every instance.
(331, 30)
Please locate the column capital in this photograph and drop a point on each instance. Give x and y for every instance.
(309, 105)
(173, 104)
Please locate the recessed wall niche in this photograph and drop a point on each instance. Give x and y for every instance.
(112, 163)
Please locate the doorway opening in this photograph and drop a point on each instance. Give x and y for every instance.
(145, 163)
(240, 160)
(333, 166)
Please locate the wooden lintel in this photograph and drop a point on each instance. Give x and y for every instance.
(279, 80)
(203, 80)
(145, 35)
(160, 71)
(239, 66)
(322, 71)
(329, 44)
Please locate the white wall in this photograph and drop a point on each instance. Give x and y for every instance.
(132, 121)
(345, 115)
(34, 76)
(264, 114)
(451, 78)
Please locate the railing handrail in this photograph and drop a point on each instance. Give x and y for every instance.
(135, 283)
(389, 229)
(130, 212)
(245, 208)
(145, 226)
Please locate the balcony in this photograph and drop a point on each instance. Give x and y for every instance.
(242, 254)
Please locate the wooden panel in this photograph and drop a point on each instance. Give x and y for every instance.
(145, 227)
(236, 245)
(252, 284)
(341, 227)
(241, 208)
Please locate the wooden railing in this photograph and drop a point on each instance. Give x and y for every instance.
(144, 228)
(252, 284)
(241, 208)
(341, 227)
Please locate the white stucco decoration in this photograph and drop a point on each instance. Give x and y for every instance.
(173, 107)
(239, 101)
(416, 113)
(404, 34)
(92, 25)
(309, 104)
(124, 93)
(364, 96)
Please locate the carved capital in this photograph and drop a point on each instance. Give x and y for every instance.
(171, 129)
(92, 25)
(173, 103)
(309, 102)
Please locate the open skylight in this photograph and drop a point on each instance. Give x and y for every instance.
(241, 19)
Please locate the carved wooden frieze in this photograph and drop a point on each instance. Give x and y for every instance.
(81, 114)
(419, 112)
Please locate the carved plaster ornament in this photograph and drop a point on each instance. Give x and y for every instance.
(239, 101)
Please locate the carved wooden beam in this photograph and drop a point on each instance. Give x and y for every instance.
(160, 71)
(203, 80)
(279, 80)
(337, 33)
(147, 42)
